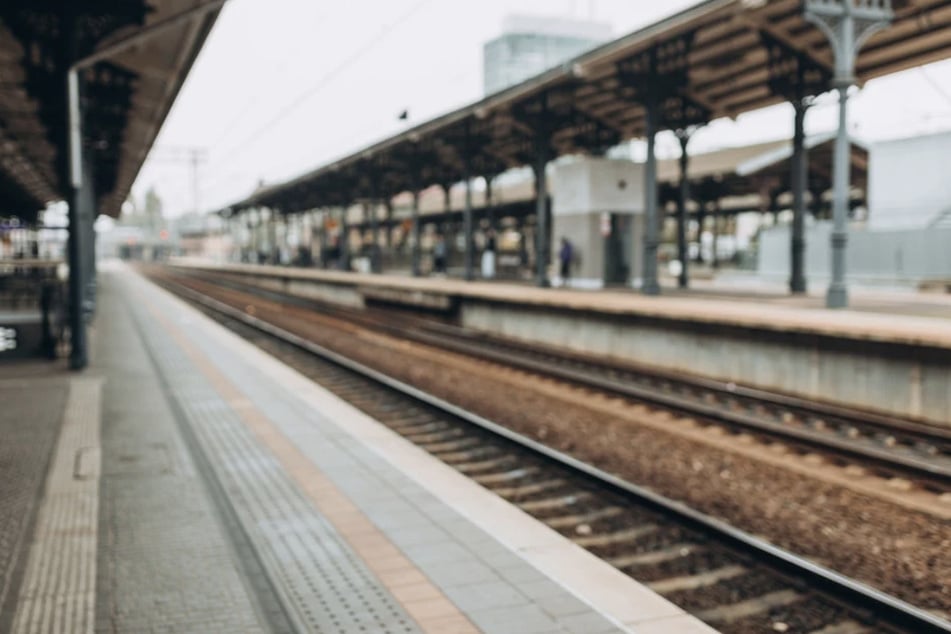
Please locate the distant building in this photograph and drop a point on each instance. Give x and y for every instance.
(531, 45)
(909, 186)
(905, 239)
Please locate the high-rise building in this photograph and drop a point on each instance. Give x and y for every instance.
(530, 45)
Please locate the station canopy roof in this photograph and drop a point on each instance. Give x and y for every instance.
(743, 178)
(762, 173)
(126, 97)
(719, 58)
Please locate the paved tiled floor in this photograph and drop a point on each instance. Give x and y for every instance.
(64, 540)
(164, 560)
(493, 586)
(926, 319)
(236, 496)
(32, 400)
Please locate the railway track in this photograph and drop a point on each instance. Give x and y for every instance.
(885, 446)
(734, 581)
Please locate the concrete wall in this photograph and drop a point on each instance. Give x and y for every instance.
(894, 375)
(887, 256)
(584, 195)
(339, 294)
(890, 379)
(595, 185)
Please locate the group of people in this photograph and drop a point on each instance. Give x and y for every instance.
(440, 255)
(566, 257)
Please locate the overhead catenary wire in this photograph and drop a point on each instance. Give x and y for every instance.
(934, 84)
(232, 124)
(321, 83)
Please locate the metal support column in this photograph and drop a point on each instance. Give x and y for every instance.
(847, 24)
(682, 248)
(273, 255)
(650, 286)
(344, 263)
(541, 215)
(389, 223)
(88, 214)
(416, 234)
(489, 209)
(467, 228)
(838, 295)
(800, 175)
(78, 354)
(716, 235)
(371, 210)
(79, 214)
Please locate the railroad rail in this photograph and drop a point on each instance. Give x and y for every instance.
(736, 582)
(887, 446)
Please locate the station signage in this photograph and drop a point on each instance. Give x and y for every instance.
(8, 339)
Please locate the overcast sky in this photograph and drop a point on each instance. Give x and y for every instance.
(284, 86)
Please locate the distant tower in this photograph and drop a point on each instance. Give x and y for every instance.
(531, 45)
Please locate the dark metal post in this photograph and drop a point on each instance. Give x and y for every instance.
(541, 208)
(489, 209)
(682, 250)
(374, 236)
(417, 271)
(797, 279)
(89, 207)
(255, 221)
(273, 256)
(78, 354)
(467, 227)
(389, 223)
(651, 234)
(716, 234)
(344, 263)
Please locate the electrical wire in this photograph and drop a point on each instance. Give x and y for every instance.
(321, 83)
(256, 98)
(938, 87)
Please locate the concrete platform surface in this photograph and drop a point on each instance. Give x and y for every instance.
(925, 319)
(199, 485)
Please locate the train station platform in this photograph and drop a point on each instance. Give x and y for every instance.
(893, 357)
(188, 482)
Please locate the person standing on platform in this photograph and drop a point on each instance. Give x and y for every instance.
(565, 257)
(488, 255)
(439, 255)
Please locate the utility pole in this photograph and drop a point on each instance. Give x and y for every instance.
(193, 157)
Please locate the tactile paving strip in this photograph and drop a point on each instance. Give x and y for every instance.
(323, 582)
(58, 591)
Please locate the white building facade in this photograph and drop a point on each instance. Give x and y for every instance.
(906, 239)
